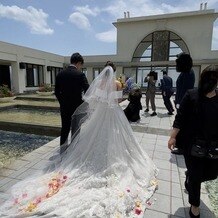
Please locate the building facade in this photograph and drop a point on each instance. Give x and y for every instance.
(143, 44)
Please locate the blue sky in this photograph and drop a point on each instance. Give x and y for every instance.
(66, 26)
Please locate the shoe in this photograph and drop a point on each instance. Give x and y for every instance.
(153, 114)
(63, 148)
(192, 215)
(170, 113)
(147, 110)
(177, 151)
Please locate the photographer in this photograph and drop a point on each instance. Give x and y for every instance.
(151, 79)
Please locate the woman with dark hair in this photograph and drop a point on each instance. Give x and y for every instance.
(185, 81)
(197, 117)
(133, 109)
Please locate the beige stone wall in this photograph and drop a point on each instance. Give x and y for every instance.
(195, 28)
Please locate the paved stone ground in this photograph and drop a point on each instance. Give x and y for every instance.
(169, 201)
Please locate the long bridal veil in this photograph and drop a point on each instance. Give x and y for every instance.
(104, 171)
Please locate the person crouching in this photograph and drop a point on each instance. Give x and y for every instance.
(132, 111)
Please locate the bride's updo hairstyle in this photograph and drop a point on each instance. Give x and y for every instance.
(110, 63)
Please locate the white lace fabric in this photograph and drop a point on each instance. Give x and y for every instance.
(104, 173)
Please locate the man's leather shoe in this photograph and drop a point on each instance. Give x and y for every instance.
(192, 215)
(63, 148)
(177, 151)
(146, 110)
(153, 114)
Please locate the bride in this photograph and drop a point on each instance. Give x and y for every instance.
(104, 171)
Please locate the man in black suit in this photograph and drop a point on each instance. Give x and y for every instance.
(69, 86)
(167, 91)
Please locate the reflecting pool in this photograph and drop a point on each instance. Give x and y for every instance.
(31, 116)
(14, 145)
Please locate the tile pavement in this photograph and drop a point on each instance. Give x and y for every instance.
(169, 201)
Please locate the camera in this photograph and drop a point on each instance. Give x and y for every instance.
(154, 74)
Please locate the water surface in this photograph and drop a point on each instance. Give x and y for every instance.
(14, 145)
(31, 116)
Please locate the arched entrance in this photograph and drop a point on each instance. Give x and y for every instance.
(159, 46)
(157, 51)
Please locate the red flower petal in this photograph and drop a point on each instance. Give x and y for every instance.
(138, 211)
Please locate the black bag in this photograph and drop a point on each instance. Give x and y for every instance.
(204, 149)
(199, 148)
(213, 150)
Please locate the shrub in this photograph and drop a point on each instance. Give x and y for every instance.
(5, 91)
(45, 88)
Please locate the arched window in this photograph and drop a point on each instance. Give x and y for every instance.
(159, 46)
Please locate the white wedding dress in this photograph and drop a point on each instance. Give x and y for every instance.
(103, 173)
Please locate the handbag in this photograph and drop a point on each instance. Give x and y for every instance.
(213, 150)
(204, 149)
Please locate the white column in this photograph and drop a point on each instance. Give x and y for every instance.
(18, 79)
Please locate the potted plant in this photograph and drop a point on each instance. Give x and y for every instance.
(6, 95)
(45, 89)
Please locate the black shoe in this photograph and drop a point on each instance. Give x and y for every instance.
(63, 148)
(153, 114)
(147, 110)
(177, 151)
(192, 215)
(170, 113)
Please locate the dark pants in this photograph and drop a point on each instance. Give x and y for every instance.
(77, 120)
(66, 114)
(65, 129)
(199, 170)
(150, 96)
(167, 102)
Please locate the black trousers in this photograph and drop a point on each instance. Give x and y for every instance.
(66, 114)
(76, 124)
(199, 170)
(167, 102)
(65, 126)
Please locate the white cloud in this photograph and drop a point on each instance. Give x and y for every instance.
(58, 22)
(80, 20)
(115, 9)
(35, 19)
(150, 7)
(87, 10)
(108, 36)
